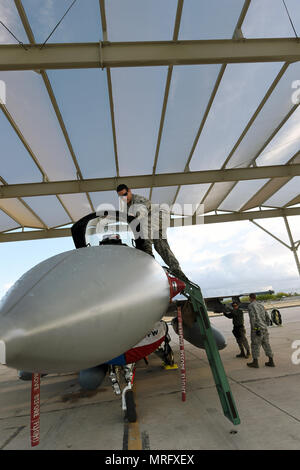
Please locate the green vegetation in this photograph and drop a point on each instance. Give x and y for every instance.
(277, 296)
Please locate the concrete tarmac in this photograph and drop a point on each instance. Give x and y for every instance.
(267, 400)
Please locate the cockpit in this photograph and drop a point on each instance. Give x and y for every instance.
(106, 227)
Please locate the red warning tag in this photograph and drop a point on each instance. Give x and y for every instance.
(35, 410)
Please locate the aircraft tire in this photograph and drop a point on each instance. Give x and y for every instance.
(130, 405)
(170, 358)
(276, 317)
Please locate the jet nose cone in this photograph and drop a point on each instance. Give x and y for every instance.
(12, 342)
(81, 308)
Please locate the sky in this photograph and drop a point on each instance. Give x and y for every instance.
(223, 259)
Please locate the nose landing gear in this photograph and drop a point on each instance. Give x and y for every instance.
(127, 373)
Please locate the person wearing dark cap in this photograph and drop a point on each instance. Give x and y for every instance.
(259, 322)
(153, 229)
(239, 332)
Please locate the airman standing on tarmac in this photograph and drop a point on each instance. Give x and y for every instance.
(259, 332)
(239, 332)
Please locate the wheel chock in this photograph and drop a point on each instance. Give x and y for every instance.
(168, 367)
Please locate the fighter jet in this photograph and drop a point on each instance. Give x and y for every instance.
(86, 306)
(80, 310)
(216, 304)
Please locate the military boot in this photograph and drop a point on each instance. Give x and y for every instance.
(242, 354)
(247, 354)
(253, 364)
(178, 273)
(270, 363)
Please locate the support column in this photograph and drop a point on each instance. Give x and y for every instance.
(294, 245)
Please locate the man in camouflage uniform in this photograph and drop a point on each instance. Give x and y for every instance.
(259, 332)
(239, 332)
(153, 221)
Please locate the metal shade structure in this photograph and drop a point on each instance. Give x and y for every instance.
(182, 106)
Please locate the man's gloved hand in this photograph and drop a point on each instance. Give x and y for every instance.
(258, 331)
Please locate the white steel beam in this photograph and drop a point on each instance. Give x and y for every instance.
(271, 234)
(52, 97)
(137, 54)
(294, 248)
(270, 188)
(295, 200)
(147, 181)
(194, 220)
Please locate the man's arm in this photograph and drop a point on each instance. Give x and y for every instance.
(140, 211)
(227, 311)
(140, 207)
(267, 317)
(228, 315)
(252, 315)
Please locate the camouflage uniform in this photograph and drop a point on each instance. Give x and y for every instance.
(153, 230)
(238, 331)
(259, 322)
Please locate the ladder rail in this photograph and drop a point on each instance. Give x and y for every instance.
(193, 292)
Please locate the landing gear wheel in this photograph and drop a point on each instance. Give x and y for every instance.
(130, 412)
(276, 317)
(169, 358)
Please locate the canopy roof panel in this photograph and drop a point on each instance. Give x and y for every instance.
(192, 109)
(83, 100)
(80, 25)
(260, 24)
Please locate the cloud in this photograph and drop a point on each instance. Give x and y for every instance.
(4, 288)
(235, 257)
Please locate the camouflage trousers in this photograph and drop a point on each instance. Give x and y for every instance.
(241, 339)
(158, 238)
(260, 341)
(162, 247)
